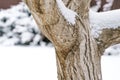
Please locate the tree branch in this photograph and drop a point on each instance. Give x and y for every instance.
(107, 38)
(105, 27)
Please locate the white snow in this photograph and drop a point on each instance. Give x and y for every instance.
(27, 63)
(97, 6)
(113, 50)
(26, 37)
(68, 14)
(11, 41)
(36, 39)
(39, 63)
(102, 20)
(110, 67)
(17, 26)
(108, 6)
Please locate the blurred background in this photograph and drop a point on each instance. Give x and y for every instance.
(18, 28)
(7, 3)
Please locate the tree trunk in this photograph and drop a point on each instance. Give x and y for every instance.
(77, 52)
(82, 60)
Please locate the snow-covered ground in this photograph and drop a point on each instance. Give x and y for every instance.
(111, 67)
(23, 63)
(38, 63)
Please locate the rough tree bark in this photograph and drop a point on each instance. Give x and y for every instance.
(77, 52)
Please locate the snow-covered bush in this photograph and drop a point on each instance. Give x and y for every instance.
(17, 27)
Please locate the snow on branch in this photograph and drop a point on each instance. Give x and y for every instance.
(103, 20)
(68, 14)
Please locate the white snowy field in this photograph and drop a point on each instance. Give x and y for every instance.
(23, 63)
(111, 67)
(38, 63)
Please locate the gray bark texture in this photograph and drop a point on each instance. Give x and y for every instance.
(77, 52)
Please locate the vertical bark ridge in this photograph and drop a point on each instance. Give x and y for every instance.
(81, 62)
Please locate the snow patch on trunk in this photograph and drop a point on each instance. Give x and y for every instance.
(68, 14)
